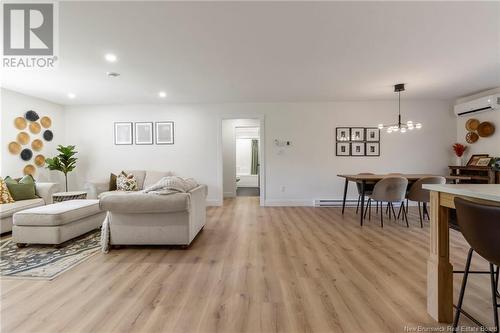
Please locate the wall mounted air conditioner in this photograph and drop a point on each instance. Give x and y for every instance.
(486, 103)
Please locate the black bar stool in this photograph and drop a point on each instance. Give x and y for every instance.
(480, 226)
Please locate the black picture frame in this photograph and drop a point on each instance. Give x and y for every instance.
(338, 148)
(354, 134)
(358, 148)
(343, 134)
(131, 129)
(368, 150)
(375, 131)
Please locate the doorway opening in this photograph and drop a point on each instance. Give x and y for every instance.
(247, 161)
(242, 156)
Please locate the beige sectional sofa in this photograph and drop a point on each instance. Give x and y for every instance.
(43, 190)
(137, 218)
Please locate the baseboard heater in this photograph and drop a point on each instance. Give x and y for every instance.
(349, 203)
(334, 202)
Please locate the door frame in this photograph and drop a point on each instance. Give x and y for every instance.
(262, 154)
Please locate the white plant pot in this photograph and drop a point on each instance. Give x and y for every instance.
(458, 161)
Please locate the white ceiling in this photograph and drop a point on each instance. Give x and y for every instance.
(269, 51)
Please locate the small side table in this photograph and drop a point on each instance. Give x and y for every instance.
(65, 196)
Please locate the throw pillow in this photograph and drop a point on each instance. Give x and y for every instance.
(126, 182)
(112, 182)
(5, 196)
(22, 189)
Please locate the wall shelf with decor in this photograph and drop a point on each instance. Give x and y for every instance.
(477, 174)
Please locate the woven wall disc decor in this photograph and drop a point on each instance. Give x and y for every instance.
(31, 115)
(46, 122)
(29, 169)
(23, 138)
(26, 154)
(37, 145)
(48, 135)
(35, 127)
(472, 124)
(20, 123)
(485, 129)
(39, 160)
(14, 148)
(471, 137)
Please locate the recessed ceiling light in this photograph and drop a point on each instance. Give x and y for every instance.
(112, 74)
(110, 57)
(162, 94)
(71, 95)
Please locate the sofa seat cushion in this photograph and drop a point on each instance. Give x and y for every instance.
(7, 210)
(57, 214)
(103, 194)
(133, 202)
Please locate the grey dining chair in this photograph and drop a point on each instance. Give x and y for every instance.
(422, 196)
(368, 189)
(390, 189)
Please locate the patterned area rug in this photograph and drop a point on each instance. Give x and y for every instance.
(45, 262)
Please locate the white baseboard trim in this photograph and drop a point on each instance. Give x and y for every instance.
(288, 203)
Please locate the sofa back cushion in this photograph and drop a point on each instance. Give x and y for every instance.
(152, 177)
(139, 175)
(22, 189)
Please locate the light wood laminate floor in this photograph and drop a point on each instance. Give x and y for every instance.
(252, 269)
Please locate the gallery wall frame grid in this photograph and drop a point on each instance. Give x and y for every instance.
(357, 141)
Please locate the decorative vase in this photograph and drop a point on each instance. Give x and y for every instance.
(458, 160)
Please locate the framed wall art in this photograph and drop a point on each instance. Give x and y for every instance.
(373, 149)
(343, 149)
(144, 133)
(372, 134)
(123, 133)
(343, 133)
(357, 149)
(475, 158)
(164, 133)
(357, 134)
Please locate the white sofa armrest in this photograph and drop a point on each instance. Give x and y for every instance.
(45, 191)
(95, 188)
(198, 206)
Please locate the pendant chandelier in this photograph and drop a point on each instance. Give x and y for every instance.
(400, 126)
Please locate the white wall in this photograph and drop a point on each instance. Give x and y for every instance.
(489, 145)
(229, 152)
(14, 105)
(305, 171)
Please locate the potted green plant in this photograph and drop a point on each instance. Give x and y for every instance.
(64, 162)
